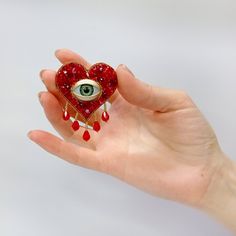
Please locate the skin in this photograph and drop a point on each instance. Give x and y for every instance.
(156, 140)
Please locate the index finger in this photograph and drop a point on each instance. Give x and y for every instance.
(66, 56)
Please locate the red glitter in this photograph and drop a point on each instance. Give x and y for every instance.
(71, 73)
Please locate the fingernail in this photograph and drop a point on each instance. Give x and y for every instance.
(41, 75)
(57, 51)
(29, 135)
(40, 97)
(127, 69)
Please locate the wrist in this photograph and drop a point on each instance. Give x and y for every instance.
(220, 197)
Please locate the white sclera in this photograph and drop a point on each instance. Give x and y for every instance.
(76, 90)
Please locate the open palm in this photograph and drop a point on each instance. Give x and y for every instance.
(159, 142)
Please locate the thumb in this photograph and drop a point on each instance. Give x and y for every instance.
(146, 96)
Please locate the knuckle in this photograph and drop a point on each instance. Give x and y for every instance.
(184, 98)
(183, 94)
(149, 95)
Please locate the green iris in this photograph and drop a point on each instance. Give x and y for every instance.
(86, 90)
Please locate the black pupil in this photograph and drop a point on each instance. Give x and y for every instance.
(86, 90)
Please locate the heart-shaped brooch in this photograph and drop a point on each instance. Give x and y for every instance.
(85, 91)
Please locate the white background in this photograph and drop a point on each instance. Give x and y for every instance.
(189, 45)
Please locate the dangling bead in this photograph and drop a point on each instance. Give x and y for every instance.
(86, 135)
(105, 116)
(96, 126)
(66, 115)
(75, 126)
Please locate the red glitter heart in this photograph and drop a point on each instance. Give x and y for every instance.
(68, 75)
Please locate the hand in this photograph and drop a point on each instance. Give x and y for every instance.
(156, 139)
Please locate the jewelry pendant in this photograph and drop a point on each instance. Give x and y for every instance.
(85, 91)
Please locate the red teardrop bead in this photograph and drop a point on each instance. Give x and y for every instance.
(75, 126)
(96, 126)
(66, 115)
(86, 135)
(105, 116)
